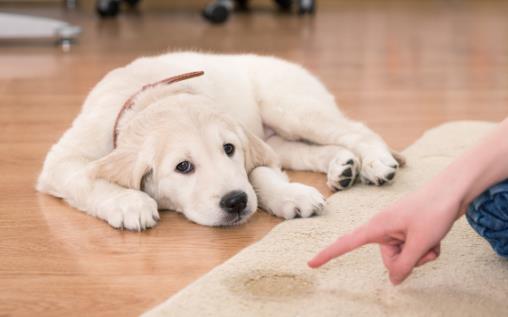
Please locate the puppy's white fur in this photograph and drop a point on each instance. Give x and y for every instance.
(271, 110)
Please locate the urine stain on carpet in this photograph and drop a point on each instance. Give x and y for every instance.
(272, 285)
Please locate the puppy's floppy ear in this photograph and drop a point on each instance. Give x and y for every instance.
(124, 166)
(258, 153)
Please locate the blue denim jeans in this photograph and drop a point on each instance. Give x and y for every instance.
(488, 215)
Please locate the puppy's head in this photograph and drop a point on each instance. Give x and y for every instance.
(192, 161)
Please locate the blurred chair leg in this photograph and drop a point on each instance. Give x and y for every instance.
(71, 4)
(284, 5)
(218, 11)
(306, 6)
(107, 8)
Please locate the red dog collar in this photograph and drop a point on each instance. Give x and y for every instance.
(130, 102)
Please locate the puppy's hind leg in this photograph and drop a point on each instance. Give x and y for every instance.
(378, 166)
(339, 164)
(282, 198)
(298, 107)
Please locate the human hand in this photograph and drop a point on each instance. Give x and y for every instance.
(408, 232)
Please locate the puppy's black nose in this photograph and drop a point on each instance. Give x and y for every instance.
(234, 202)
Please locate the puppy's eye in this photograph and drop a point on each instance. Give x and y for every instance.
(184, 167)
(229, 149)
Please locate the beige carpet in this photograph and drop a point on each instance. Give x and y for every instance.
(271, 278)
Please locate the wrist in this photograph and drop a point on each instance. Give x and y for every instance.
(451, 188)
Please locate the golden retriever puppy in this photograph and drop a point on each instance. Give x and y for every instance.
(156, 135)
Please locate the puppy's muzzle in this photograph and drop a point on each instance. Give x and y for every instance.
(234, 202)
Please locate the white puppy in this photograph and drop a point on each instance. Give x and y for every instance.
(210, 146)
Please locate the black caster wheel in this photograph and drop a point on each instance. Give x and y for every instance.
(107, 8)
(307, 7)
(217, 12)
(242, 5)
(132, 3)
(284, 5)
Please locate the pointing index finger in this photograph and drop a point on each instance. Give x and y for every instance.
(347, 243)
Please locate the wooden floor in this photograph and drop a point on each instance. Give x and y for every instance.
(401, 67)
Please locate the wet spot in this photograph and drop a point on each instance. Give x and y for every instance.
(272, 285)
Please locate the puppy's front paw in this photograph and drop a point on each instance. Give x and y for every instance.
(298, 200)
(342, 171)
(378, 170)
(132, 210)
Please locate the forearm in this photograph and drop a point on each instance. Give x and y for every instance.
(478, 168)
